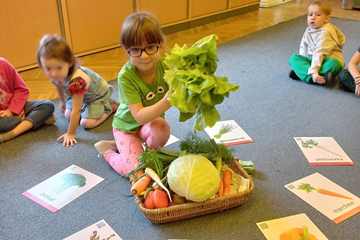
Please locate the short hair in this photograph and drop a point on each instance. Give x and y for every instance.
(139, 28)
(53, 46)
(324, 5)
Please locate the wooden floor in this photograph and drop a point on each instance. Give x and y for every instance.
(108, 63)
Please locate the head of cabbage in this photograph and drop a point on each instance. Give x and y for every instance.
(193, 177)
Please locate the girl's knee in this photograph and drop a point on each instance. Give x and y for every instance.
(159, 133)
(50, 106)
(68, 113)
(160, 125)
(87, 123)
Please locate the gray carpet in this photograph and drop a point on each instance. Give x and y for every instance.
(269, 106)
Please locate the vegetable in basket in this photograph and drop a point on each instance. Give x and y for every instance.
(156, 199)
(196, 89)
(193, 177)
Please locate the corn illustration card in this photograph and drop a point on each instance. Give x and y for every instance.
(62, 188)
(323, 151)
(228, 133)
(293, 227)
(98, 231)
(327, 197)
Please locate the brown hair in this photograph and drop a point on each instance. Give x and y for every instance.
(53, 46)
(140, 28)
(324, 6)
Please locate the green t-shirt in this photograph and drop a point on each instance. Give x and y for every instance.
(133, 89)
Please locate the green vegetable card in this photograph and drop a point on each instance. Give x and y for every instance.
(62, 188)
(228, 133)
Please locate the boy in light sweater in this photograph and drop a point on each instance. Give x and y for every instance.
(320, 55)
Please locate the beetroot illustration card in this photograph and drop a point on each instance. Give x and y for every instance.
(228, 133)
(323, 151)
(327, 197)
(62, 188)
(293, 227)
(98, 231)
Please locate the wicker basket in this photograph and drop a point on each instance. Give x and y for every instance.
(189, 210)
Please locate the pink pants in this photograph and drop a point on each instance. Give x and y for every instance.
(155, 134)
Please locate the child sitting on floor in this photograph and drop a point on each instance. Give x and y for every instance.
(89, 94)
(17, 114)
(143, 95)
(349, 79)
(320, 55)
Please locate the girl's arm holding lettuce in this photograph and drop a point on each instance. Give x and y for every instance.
(144, 115)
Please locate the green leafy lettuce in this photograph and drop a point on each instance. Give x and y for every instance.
(196, 89)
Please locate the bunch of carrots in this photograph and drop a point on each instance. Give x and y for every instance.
(225, 184)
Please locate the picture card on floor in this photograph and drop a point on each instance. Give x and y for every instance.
(292, 227)
(323, 151)
(228, 133)
(172, 139)
(327, 197)
(62, 188)
(98, 231)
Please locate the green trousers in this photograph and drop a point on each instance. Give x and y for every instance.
(300, 65)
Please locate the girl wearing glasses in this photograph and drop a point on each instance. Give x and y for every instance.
(143, 95)
(89, 94)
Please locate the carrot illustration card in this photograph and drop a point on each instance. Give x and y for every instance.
(293, 227)
(97, 231)
(62, 188)
(228, 133)
(327, 197)
(323, 151)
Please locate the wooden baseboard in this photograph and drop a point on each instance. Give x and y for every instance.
(210, 19)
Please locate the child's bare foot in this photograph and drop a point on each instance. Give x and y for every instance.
(50, 120)
(114, 104)
(103, 146)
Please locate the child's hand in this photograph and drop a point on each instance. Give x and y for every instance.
(6, 113)
(69, 139)
(22, 115)
(357, 90)
(317, 78)
(357, 80)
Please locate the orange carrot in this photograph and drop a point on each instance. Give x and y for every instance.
(308, 188)
(227, 182)
(333, 194)
(140, 185)
(221, 187)
(139, 172)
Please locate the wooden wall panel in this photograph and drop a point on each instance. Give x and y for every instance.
(22, 24)
(203, 7)
(94, 24)
(239, 3)
(165, 11)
